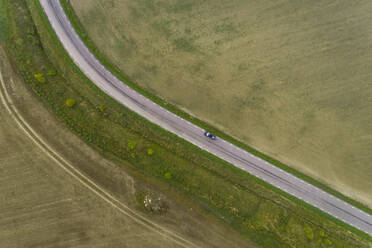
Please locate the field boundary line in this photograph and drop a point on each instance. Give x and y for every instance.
(79, 176)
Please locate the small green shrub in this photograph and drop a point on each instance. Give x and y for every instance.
(168, 175)
(102, 108)
(40, 77)
(150, 151)
(132, 145)
(309, 232)
(70, 102)
(19, 42)
(51, 73)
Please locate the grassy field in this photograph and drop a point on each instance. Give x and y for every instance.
(43, 206)
(219, 195)
(288, 78)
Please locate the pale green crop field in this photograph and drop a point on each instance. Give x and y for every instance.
(293, 79)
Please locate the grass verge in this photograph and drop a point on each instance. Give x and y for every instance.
(77, 25)
(260, 212)
(121, 75)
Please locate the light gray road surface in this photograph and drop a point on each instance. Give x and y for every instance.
(113, 87)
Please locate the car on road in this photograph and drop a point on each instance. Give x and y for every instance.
(209, 135)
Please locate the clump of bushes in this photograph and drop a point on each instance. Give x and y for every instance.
(102, 108)
(51, 73)
(132, 145)
(309, 232)
(150, 151)
(19, 42)
(40, 77)
(168, 176)
(70, 102)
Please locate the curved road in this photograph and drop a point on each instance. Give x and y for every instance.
(113, 87)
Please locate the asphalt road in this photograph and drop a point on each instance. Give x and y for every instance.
(242, 159)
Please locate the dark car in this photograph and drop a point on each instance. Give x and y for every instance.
(209, 135)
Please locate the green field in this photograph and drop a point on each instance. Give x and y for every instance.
(208, 201)
(291, 79)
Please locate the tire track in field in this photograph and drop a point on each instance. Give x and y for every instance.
(84, 180)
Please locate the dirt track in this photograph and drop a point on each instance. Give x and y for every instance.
(54, 201)
(80, 177)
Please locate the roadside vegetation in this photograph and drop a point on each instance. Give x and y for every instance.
(288, 78)
(42, 205)
(259, 212)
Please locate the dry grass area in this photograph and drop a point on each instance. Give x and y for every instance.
(43, 206)
(290, 78)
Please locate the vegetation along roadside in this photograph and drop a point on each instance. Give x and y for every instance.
(119, 73)
(260, 213)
